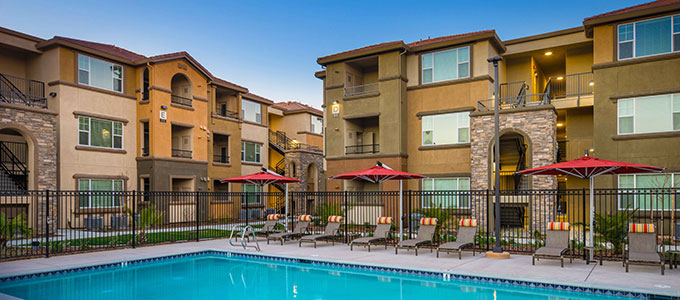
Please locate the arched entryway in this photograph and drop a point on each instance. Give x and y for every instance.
(515, 154)
(181, 90)
(312, 178)
(17, 156)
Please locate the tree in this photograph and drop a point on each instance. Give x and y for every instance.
(148, 217)
(9, 228)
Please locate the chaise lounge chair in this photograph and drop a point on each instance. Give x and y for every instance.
(465, 238)
(270, 225)
(556, 244)
(330, 233)
(381, 233)
(426, 233)
(642, 247)
(301, 228)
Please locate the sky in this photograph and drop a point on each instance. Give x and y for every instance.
(271, 47)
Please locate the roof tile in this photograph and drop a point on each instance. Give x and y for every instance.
(291, 106)
(643, 6)
(105, 48)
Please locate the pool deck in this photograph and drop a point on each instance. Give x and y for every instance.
(644, 279)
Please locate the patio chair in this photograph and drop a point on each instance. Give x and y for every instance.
(643, 247)
(270, 225)
(301, 228)
(556, 244)
(465, 238)
(331, 232)
(381, 233)
(428, 226)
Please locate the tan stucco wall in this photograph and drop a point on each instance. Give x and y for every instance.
(233, 128)
(579, 60)
(259, 134)
(72, 161)
(603, 44)
(12, 63)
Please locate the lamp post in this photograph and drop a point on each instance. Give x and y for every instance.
(497, 164)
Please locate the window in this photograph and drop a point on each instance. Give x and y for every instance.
(253, 194)
(446, 192)
(645, 193)
(658, 113)
(101, 74)
(100, 192)
(446, 65)
(250, 152)
(317, 125)
(251, 111)
(649, 37)
(100, 133)
(445, 129)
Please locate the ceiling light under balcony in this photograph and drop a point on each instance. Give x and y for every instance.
(548, 53)
(591, 83)
(560, 124)
(560, 78)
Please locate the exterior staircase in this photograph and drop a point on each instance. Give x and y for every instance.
(13, 170)
(17, 90)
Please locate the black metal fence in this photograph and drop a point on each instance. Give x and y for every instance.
(44, 223)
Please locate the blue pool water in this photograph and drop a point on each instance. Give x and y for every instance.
(212, 276)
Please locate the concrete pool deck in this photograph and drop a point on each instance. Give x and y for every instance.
(611, 275)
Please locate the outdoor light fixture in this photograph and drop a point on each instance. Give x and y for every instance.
(164, 107)
(548, 53)
(53, 94)
(560, 78)
(591, 83)
(335, 108)
(560, 124)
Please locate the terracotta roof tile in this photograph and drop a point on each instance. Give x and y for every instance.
(643, 6)
(259, 98)
(291, 106)
(447, 38)
(184, 54)
(362, 49)
(105, 48)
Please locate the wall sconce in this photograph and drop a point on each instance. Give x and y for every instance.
(591, 83)
(164, 107)
(53, 94)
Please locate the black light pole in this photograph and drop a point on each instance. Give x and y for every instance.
(497, 164)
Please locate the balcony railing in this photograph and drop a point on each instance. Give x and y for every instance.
(181, 100)
(145, 152)
(514, 102)
(227, 113)
(17, 90)
(362, 149)
(573, 85)
(218, 158)
(181, 153)
(361, 89)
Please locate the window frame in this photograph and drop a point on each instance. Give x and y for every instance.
(458, 63)
(311, 125)
(257, 114)
(258, 194)
(634, 40)
(457, 128)
(112, 191)
(674, 97)
(635, 190)
(89, 73)
(113, 134)
(258, 152)
(457, 195)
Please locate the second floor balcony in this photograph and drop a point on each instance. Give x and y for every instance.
(22, 91)
(362, 149)
(361, 89)
(179, 153)
(183, 101)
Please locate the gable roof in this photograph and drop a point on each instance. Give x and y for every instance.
(641, 10)
(289, 107)
(112, 50)
(258, 98)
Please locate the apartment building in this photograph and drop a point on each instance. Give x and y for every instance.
(607, 88)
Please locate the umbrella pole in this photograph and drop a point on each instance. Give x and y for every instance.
(401, 212)
(286, 197)
(592, 216)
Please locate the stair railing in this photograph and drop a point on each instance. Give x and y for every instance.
(18, 168)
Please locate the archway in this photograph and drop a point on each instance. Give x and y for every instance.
(312, 178)
(181, 90)
(515, 155)
(18, 158)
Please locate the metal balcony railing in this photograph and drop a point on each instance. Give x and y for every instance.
(361, 89)
(218, 158)
(573, 85)
(514, 102)
(181, 153)
(227, 113)
(181, 100)
(362, 149)
(18, 90)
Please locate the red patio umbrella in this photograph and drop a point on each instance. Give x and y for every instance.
(590, 167)
(261, 178)
(380, 173)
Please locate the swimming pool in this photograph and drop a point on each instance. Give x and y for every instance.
(213, 275)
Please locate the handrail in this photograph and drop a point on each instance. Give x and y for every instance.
(280, 140)
(181, 100)
(361, 89)
(32, 94)
(16, 164)
(243, 232)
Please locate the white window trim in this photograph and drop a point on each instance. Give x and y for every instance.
(257, 114)
(635, 189)
(634, 40)
(258, 152)
(457, 64)
(618, 118)
(89, 74)
(89, 194)
(311, 126)
(113, 135)
(456, 196)
(422, 130)
(245, 196)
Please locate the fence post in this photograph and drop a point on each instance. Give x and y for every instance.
(345, 200)
(133, 215)
(47, 223)
(487, 219)
(583, 196)
(408, 216)
(197, 214)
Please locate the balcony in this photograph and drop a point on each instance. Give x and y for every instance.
(361, 89)
(362, 149)
(224, 112)
(223, 159)
(22, 91)
(181, 153)
(183, 101)
(574, 90)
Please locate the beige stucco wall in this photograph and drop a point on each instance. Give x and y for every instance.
(258, 134)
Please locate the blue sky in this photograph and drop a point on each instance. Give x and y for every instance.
(271, 47)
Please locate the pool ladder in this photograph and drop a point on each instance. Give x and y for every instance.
(244, 243)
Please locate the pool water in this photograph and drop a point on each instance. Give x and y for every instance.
(211, 276)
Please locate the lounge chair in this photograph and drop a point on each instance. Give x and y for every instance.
(381, 233)
(642, 247)
(556, 244)
(301, 228)
(465, 238)
(426, 233)
(270, 225)
(330, 233)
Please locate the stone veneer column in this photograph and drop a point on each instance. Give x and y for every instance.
(538, 126)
